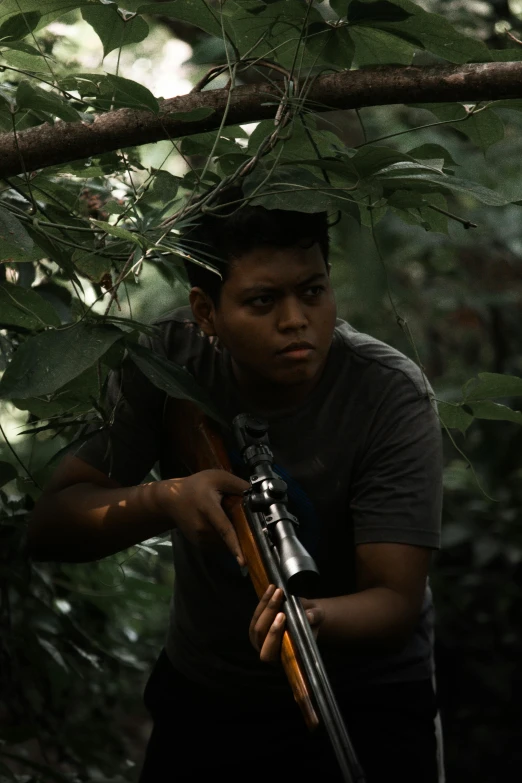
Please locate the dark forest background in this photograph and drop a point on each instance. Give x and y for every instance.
(78, 640)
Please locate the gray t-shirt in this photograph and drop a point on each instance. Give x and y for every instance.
(362, 459)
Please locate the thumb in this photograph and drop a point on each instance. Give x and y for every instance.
(315, 616)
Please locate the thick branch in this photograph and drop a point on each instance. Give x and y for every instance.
(48, 145)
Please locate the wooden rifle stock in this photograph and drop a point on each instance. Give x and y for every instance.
(201, 448)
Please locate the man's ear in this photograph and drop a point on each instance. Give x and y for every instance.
(202, 310)
(328, 269)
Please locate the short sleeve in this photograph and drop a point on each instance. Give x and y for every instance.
(128, 449)
(396, 494)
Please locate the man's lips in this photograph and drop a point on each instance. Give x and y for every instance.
(301, 346)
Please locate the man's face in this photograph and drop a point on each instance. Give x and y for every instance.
(275, 298)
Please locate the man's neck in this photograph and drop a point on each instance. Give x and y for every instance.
(271, 397)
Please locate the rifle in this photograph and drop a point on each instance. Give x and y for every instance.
(274, 555)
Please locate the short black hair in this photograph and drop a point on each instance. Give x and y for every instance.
(238, 228)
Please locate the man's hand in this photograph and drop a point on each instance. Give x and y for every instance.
(268, 623)
(194, 503)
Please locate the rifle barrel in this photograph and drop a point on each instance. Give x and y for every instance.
(311, 661)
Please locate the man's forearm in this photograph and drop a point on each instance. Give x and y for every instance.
(375, 620)
(87, 522)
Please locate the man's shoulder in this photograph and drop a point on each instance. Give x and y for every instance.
(178, 315)
(386, 362)
(179, 319)
(177, 331)
(180, 339)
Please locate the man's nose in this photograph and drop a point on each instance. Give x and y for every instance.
(291, 314)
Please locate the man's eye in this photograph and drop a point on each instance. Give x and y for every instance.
(315, 290)
(261, 301)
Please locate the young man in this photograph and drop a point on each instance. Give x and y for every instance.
(355, 436)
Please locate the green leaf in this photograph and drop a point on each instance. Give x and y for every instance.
(230, 162)
(210, 50)
(428, 31)
(114, 207)
(46, 248)
(192, 11)
(106, 91)
(8, 472)
(194, 115)
(132, 94)
(49, 360)
(513, 105)
(414, 209)
(301, 141)
(490, 385)
(91, 265)
(407, 167)
(74, 397)
(21, 46)
(331, 45)
(294, 188)
(164, 189)
(370, 159)
(49, 9)
(340, 7)
(482, 127)
(112, 29)
(453, 416)
(487, 409)
(374, 12)
(234, 7)
(274, 31)
(171, 378)
(269, 30)
(334, 166)
(34, 98)
(16, 27)
(424, 180)
(433, 220)
(202, 143)
(376, 47)
(24, 307)
(431, 151)
(369, 216)
(505, 55)
(15, 242)
(117, 231)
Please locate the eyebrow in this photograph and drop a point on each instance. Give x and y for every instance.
(265, 288)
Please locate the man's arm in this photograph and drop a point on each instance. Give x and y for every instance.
(380, 617)
(84, 515)
(382, 614)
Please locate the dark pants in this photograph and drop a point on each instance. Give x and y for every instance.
(201, 736)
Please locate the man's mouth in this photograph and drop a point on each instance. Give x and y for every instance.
(297, 350)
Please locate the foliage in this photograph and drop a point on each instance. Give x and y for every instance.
(85, 244)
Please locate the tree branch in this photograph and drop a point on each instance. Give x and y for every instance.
(48, 145)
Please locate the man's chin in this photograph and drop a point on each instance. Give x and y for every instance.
(297, 376)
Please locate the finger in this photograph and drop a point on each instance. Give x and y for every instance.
(229, 484)
(266, 618)
(271, 649)
(260, 608)
(225, 529)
